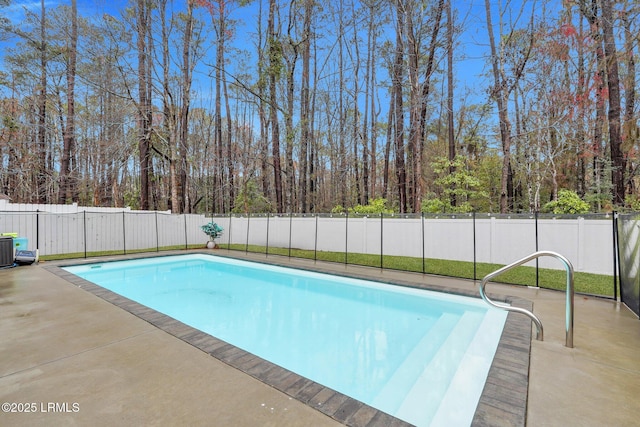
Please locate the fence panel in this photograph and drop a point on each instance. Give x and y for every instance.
(373, 234)
(629, 244)
(332, 230)
(562, 237)
(511, 238)
(259, 230)
(356, 234)
(171, 230)
(140, 231)
(449, 237)
(59, 233)
(104, 232)
(587, 243)
(303, 232)
(238, 230)
(402, 236)
(279, 231)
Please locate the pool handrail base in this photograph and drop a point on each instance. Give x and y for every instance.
(569, 300)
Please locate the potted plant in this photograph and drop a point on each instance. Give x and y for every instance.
(214, 231)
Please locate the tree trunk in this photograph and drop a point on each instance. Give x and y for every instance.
(168, 112)
(342, 151)
(398, 71)
(450, 133)
(229, 151)
(590, 12)
(275, 58)
(355, 139)
(630, 125)
(414, 156)
(144, 107)
(581, 91)
(305, 119)
(65, 190)
(426, 84)
(387, 147)
(262, 114)
(183, 144)
(613, 82)
(218, 141)
(500, 96)
(288, 123)
(42, 113)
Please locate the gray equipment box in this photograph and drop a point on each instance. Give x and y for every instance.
(26, 257)
(6, 251)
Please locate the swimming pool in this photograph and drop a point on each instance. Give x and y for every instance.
(418, 355)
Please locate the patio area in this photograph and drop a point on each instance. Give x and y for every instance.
(72, 358)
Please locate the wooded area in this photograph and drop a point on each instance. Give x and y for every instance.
(202, 106)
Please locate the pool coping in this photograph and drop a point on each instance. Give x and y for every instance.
(503, 400)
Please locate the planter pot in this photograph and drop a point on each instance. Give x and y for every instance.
(211, 245)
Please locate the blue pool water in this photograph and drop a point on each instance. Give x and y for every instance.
(418, 355)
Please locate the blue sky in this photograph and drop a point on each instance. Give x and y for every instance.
(471, 55)
(471, 52)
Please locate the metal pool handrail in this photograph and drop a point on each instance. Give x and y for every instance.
(533, 317)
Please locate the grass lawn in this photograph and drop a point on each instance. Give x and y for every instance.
(588, 283)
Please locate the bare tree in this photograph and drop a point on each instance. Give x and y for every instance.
(500, 92)
(397, 107)
(275, 63)
(450, 129)
(306, 163)
(65, 190)
(188, 65)
(630, 130)
(613, 84)
(144, 101)
(42, 170)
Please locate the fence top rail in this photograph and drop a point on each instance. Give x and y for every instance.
(426, 216)
(344, 215)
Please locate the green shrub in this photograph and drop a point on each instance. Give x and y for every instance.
(568, 202)
(375, 206)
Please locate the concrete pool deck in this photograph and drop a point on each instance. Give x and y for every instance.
(81, 360)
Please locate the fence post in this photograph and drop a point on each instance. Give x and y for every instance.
(290, 225)
(246, 245)
(124, 233)
(186, 238)
(157, 234)
(475, 249)
(381, 240)
(346, 237)
(229, 244)
(616, 254)
(315, 243)
(424, 267)
(37, 229)
(84, 231)
(537, 260)
(267, 250)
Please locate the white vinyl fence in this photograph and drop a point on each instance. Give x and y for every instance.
(82, 232)
(586, 241)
